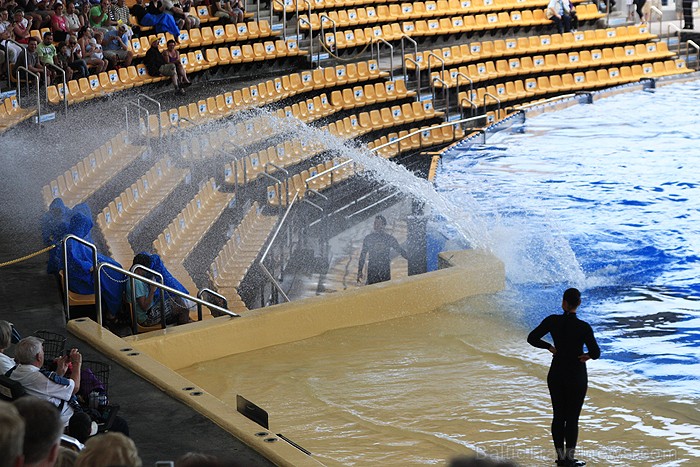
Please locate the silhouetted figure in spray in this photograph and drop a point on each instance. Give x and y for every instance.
(567, 379)
(378, 246)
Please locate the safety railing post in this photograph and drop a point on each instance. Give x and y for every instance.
(261, 262)
(201, 293)
(66, 274)
(284, 17)
(158, 115)
(417, 65)
(379, 42)
(147, 122)
(322, 38)
(46, 84)
(660, 14)
(403, 53)
(689, 43)
(445, 94)
(8, 62)
(678, 34)
(311, 31)
(473, 105)
(471, 83)
(430, 64)
(19, 90)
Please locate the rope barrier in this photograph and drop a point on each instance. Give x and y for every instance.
(26, 257)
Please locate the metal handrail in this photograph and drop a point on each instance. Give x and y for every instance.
(329, 171)
(98, 286)
(132, 299)
(668, 33)
(418, 88)
(65, 88)
(661, 17)
(66, 298)
(403, 52)
(284, 17)
(445, 93)
(311, 32)
(148, 124)
(434, 127)
(430, 66)
(473, 104)
(322, 39)
(9, 63)
(690, 43)
(276, 181)
(286, 179)
(257, 4)
(160, 123)
(379, 41)
(546, 101)
(376, 203)
(269, 246)
(471, 83)
(201, 293)
(19, 90)
(498, 101)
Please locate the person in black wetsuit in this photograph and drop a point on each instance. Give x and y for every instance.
(378, 245)
(567, 379)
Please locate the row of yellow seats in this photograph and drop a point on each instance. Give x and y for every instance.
(11, 113)
(304, 5)
(189, 226)
(568, 82)
(240, 251)
(249, 167)
(205, 36)
(370, 94)
(331, 173)
(255, 52)
(426, 138)
(84, 178)
(551, 62)
(202, 12)
(545, 43)
(127, 210)
(411, 11)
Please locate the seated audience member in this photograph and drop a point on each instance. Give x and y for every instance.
(43, 430)
(43, 9)
(46, 52)
(172, 56)
(231, 11)
(73, 20)
(157, 65)
(148, 297)
(559, 12)
(81, 427)
(182, 19)
(11, 436)
(6, 363)
(59, 23)
(92, 50)
(63, 59)
(32, 59)
(12, 50)
(116, 48)
(107, 450)
(74, 57)
(120, 12)
(154, 15)
(48, 385)
(99, 16)
(21, 26)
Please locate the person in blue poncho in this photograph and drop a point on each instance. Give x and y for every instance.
(147, 306)
(55, 225)
(80, 267)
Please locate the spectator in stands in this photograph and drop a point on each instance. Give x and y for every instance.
(12, 50)
(687, 13)
(646, 10)
(43, 430)
(29, 7)
(44, 11)
(63, 59)
(11, 436)
(91, 50)
(75, 60)
(21, 26)
(32, 59)
(73, 20)
(172, 56)
(148, 302)
(5, 340)
(109, 449)
(182, 19)
(120, 12)
(157, 65)
(378, 246)
(59, 23)
(116, 48)
(231, 11)
(50, 386)
(99, 16)
(560, 13)
(186, 6)
(84, 13)
(574, 16)
(47, 52)
(154, 15)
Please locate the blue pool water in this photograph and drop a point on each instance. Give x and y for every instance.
(604, 197)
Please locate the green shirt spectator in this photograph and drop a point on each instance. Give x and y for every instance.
(99, 15)
(46, 50)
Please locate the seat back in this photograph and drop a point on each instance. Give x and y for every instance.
(10, 390)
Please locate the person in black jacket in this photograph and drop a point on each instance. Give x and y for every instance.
(568, 378)
(157, 65)
(378, 246)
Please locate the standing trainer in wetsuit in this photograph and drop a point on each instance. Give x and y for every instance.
(567, 379)
(378, 245)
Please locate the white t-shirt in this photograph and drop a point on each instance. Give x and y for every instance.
(39, 385)
(6, 363)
